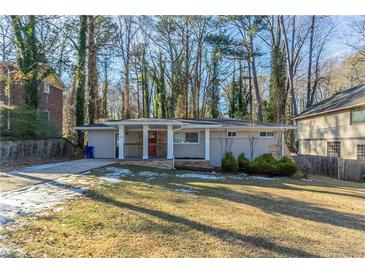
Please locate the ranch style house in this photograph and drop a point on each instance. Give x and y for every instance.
(184, 139)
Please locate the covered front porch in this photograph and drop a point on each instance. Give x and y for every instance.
(138, 140)
(143, 142)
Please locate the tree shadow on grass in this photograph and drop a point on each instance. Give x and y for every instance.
(287, 207)
(280, 205)
(295, 186)
(223, 234)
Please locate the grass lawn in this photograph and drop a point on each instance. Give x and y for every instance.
(150, 215)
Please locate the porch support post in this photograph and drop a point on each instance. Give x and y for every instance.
(207, 144)
(121, 133)
(145, 142)
(170, 142)
(282, 143)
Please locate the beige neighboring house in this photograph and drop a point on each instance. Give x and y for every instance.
(184, 139)
(334, 126)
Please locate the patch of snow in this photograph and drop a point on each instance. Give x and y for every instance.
(70, 180)
(58, 209)
(15, 204)
(307, 180)
(113, 174)
(186, 190)
(151, 174)
(4, 237)
(117, 172)
(258, 178)
(242, 174)
(199, 176)
(5, 252)
(110, 179)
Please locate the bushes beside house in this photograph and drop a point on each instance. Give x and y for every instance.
(265, 164)
(22, 122)
(243, 162)
(229, 162)
(286, 166)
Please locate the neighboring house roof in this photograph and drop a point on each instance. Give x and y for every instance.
(53, 80)
(341, 100)
(187, 123)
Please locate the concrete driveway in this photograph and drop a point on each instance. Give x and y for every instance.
(35, 174)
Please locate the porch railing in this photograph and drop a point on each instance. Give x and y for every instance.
(135, 150)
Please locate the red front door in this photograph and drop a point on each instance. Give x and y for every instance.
(152, 141)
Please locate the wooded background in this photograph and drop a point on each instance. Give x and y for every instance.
(259, 68)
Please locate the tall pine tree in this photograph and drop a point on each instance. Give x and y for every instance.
(159, 108)
(80, 78)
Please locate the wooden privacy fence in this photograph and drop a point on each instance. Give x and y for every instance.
(344, 169)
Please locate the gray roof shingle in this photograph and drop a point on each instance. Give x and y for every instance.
(224, 122)
(341, 100)
(230, 122)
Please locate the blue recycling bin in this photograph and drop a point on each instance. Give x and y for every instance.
(89, 152)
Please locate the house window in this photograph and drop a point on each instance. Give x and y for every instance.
(46, 88)
(361, 152)
(266, 134)
(334, 149)
(358, 116)
(46, 114)
(186, 138)
(231, 134)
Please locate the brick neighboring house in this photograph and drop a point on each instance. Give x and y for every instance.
(50, 94)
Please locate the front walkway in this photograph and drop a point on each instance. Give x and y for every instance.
(23, 177)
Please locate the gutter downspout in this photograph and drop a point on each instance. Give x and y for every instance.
(9, 98)
(282, 143)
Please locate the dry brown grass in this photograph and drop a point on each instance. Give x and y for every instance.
(223, 218)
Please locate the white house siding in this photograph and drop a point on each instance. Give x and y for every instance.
(220, 144)
(133, 137)
(103, 143)
(190, 150)
(314, 132)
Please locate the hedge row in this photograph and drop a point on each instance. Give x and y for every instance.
(265, 164)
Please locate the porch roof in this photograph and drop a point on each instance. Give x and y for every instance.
(187, 123)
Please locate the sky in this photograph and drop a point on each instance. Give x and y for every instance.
(344, 35)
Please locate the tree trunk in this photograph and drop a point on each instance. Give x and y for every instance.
(250, 89)
(80, 79)
(255, 81)
(105, 90)
(127, 110)
(290, 67)
(309, 76)
(92, 71)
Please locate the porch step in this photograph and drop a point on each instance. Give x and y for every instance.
(159, 163)
(194, 165)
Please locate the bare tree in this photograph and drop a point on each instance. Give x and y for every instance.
(126, 31)
(7, 45)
